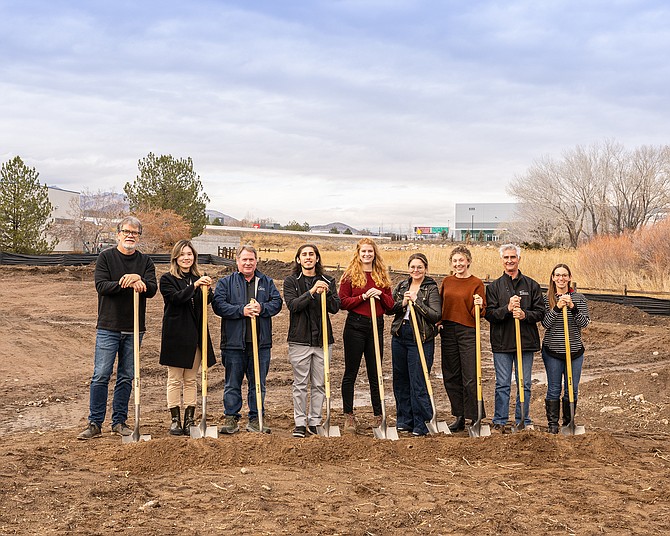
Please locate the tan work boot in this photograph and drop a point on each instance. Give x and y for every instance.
(350, 423)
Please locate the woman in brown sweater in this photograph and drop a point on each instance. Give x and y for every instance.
(460, 292)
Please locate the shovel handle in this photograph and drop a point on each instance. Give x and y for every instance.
(326, 356)
(257, 370)
(568, 357)
(378, 359)
(519, 359)
(478, 350)
(203, 349)
(136, 346)
(419, 345)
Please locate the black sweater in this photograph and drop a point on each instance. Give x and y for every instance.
(115, 304)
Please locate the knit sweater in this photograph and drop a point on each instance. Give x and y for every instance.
(457, 299)
(352, 298)
(115, 304)
(554, 336)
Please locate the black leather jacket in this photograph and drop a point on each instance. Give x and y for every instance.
(428, 307)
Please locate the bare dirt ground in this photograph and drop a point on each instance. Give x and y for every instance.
(615, 479)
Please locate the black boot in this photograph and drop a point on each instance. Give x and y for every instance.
(175, 426)
(189, 412)
(458, 424)
(553, 408)
(566, 411)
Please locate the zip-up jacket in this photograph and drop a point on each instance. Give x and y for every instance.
(498, 294)
(554, 337)
(305, 310)
(229, 300)
(428, 307)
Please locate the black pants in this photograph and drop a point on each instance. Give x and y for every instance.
(459, 368)
(358, 341)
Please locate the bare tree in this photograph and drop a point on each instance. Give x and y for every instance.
(93, 218)
(597, 189)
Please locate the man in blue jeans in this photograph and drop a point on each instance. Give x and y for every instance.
(513, 296)
(119, 272)
(238, 297)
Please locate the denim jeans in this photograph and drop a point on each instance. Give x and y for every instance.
(109, 344)
(556, 375)
(503, 363)
(240, 363)
(413, 407)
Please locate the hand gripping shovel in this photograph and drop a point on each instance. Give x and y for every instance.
(326, 429)
(381, 432)
(572, 428)
(519, 371)
(136, 436)
(433, 426)
(202, 430)
(478, 429)
(257, 372)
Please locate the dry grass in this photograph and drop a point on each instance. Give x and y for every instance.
(605, 263)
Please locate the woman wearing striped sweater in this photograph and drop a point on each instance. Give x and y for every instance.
(560, 295)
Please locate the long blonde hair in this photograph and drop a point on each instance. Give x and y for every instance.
(175, 269)
(356, 274)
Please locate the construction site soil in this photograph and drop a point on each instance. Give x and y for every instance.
(615, 479)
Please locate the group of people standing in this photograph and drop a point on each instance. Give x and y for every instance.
(448, 310)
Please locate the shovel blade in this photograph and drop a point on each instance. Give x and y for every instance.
(384, 432)
(479, 430)
(135, 437)
(573, 429)
(435, 427)
(202, 430)
(325, 430)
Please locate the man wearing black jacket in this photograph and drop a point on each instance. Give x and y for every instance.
(512, 296)
(303, 292)
(119, 273)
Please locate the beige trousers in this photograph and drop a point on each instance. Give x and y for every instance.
(186, 378)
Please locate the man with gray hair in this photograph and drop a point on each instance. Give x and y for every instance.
(238, 297)
(510, 297)
(119, 272)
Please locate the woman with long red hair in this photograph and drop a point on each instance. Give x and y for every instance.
(366, 278)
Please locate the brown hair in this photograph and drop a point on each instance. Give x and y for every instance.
(461, 250)
(551, 291)
(355, 273)
(419, 256)
(175, 269)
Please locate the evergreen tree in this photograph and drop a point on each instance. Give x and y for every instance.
(25, 210)
(168, 183)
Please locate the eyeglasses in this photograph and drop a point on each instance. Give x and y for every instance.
(126, 232)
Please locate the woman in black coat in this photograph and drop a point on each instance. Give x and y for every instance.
(181, 338)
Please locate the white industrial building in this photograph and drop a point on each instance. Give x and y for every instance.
(483, 221)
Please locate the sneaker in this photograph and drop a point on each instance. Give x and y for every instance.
(312, 430)
(120, 428)
(299, 431)
(92, 430)
(253, 426)
(403, 428)
(230, 425)
(497, 429)
(376, 421)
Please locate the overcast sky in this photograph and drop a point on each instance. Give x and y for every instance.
(376, 113)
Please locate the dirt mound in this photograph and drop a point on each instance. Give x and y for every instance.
(623, 314)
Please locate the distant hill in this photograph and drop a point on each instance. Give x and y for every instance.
(104, 201)
(341, 227)
(225, 219)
